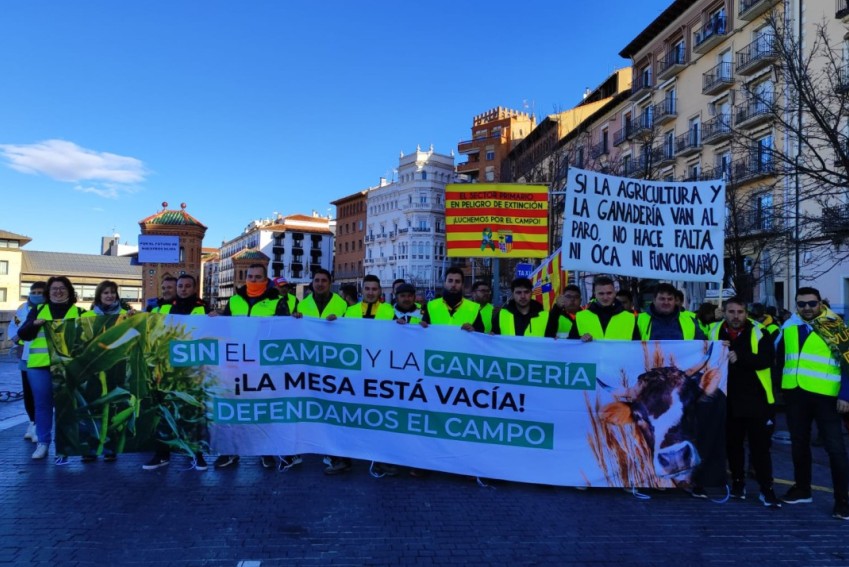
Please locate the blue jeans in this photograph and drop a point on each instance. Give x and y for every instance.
(41, 383)
(803, 408)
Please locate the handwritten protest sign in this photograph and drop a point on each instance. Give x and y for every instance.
(647, 229)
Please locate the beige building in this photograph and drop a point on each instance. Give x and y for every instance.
(11, 259)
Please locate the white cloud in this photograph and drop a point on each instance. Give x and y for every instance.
(105, 174)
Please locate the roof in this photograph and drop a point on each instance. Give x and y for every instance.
(351, 197)
(250, 254)
(657, 27)
(169, 217)
(88, 265)
(6, 235)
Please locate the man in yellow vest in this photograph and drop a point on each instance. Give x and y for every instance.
(750, 404)
(282, 287)
(321, 303)
(663, 320)
(482, 295)
(371, 307)
(406, 308)
(522, 316)
(168, 289)
(604, 318)
(814, 388)
(452, 308)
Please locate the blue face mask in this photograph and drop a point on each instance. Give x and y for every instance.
(36, 299)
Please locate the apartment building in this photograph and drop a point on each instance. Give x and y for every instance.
(494, 134)
(350, 237)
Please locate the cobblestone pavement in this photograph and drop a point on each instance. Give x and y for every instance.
(117, 514)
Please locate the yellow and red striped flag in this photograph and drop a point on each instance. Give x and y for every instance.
(548, 279)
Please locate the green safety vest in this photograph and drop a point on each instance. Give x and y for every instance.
(384, 311)
(764, 375)
(687, 322)
(292, 302)
(620, 327)
(166, 309)
(564, 325)
(39, 356)
(239, 307)
(486, 316)
(466, 312)
(813, 369)
(336, 306)
(536, 326)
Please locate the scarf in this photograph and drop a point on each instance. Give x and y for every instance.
(835, 333)
(113, 309)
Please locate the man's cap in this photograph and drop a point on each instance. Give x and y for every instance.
(405, 288)
(280, 281)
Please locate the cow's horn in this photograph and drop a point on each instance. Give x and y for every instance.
(692, 371)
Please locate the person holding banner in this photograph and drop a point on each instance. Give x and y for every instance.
(187, 302)
(664, 321)
(750, 402)
(406, 308)
(482, 295)
(815, 384)
(34, 299)
(289, 299)
(321, 303)
(605, 318)
(168, 289)
(452, 308)
(256, 299)
(522, 316)
(371, 307)
(60, 304)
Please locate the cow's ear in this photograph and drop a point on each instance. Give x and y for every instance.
(710, 381)
(617, 413)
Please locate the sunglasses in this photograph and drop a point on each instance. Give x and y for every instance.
(803, 304)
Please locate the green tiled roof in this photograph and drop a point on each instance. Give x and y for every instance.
(250, 254)
(172, 218)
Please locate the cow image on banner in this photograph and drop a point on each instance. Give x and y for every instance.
(671, 230)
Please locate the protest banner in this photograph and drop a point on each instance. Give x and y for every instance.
(496, 220)
(647, 229)
(525, 409)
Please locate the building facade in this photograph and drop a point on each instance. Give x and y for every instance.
(350, 237)
(405, 233)
(494, 133)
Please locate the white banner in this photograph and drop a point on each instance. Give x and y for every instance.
(525, 409)
(671, 230)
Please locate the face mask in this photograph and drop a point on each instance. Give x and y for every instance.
(36, 299)
(256, 289)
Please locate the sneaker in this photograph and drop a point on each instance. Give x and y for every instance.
(40, 451)
(337, 466)
(157, 462)
(225, 461)
(738, 489)
(769, 499)
(267, 462)
(61, 460)
(796, 495)
(385, 469)
(287, 463)
(698, 491)
(841, 511)
(89, 458)
(30, 434)
(199, 463)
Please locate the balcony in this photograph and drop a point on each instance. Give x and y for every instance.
(369, 238)
(711, 34)
(623, 135)
(751, 9)
(718, 79)
(663, 155)
(420, 229)
(644, 124)
(600, 149)
(672, 64)
(755, 223)
(688, 143)
(641, 83)
(665, 110)
(392, 234)
(719, 172)
(716, 130)
(754, 112)
(381, 236)
(835, 218)
(753, 167)
(757, 55)
(473, 146)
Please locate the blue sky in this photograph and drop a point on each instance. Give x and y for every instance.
(241, 109)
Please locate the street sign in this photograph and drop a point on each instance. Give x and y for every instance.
(430, 295)
(524, 270)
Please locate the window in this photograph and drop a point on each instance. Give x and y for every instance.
(424, 174)
(763, 211)
(669, 144)
(695, 172)
(604, 141)
(423, 198)
(4, 267)
(3, 293)
(723, 165)
(490, 155)
(764, 154)
(579, 157)
(678, 52)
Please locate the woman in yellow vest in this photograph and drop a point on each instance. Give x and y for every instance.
(60, 304)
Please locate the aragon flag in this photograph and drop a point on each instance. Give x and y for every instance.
(547, 280)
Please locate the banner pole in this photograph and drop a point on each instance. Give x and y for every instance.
(496, 281)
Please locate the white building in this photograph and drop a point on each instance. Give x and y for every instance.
(405, 236)
(294, 246)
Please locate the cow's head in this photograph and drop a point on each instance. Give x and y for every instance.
(661, 405)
